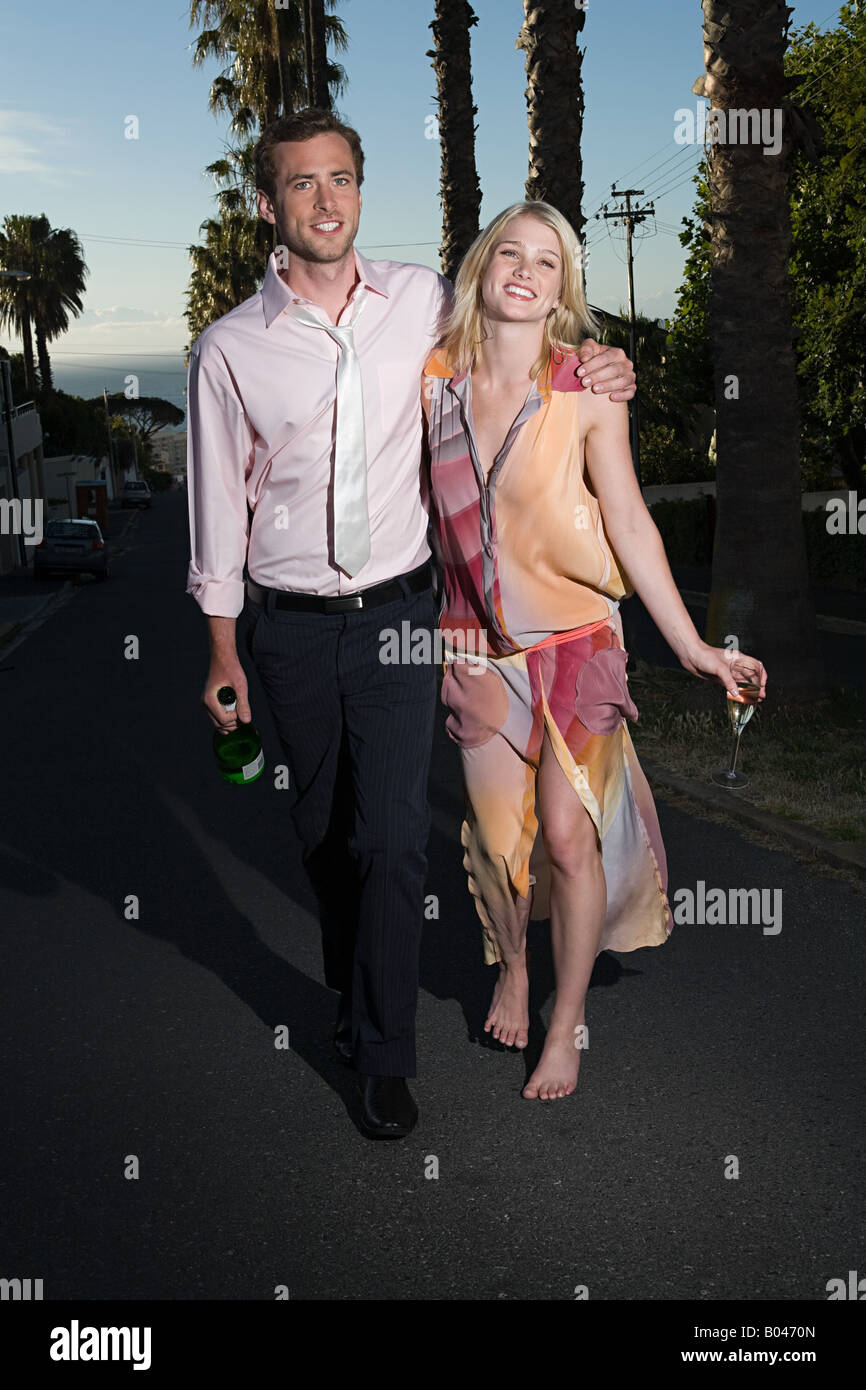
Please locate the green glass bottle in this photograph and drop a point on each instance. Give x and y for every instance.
(239, 751)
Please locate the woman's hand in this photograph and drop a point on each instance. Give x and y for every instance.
(726, 667)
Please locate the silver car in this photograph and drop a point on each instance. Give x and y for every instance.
(135, 494)
(71, 545)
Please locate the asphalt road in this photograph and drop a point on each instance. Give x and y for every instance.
(155, 1037)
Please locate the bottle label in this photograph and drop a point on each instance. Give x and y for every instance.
(254, 768)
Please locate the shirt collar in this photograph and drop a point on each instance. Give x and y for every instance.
(277, 295)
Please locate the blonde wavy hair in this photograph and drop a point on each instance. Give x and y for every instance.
(465, 330)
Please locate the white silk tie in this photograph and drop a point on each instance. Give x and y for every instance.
(351, 517)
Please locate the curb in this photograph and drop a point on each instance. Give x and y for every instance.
(844, 854)
(11, 630)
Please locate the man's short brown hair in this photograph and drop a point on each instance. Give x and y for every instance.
(302, 125)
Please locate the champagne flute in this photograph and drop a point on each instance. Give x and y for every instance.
(739, 712)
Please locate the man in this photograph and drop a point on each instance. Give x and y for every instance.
(304, 404)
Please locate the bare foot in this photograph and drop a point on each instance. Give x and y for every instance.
(556, 1073)
(508, 1017)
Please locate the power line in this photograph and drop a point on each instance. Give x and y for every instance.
(184, 246)
(146, 352)
(662, 148)
(678, 154)
(663, 192)
(91, 367)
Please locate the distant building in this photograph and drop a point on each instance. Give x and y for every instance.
(169, 451)
(28, 479)
(62, 473)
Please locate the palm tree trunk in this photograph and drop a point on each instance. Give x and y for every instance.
(308, 52)
(460, 191)
(27, 350)
(317, 54)
(554, 98)
(760, 587)
(45, 374)
(282, 38)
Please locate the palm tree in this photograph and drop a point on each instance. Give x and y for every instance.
(554, 98)
(262, 48)
(290, 32)
(316, 48)
(42, 304)
(460, 191)
(234, 175)
(265, 75)
(226, 270)
(58, 289)
(760, 587)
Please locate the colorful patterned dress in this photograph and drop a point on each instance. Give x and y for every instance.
(532, 582)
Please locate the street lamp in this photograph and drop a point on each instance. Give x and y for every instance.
(6, 379)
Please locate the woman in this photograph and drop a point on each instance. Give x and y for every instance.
(542, 529)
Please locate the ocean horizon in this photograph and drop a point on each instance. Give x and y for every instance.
(159, 374)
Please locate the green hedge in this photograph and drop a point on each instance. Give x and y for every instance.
(685, 528)
(836, 562)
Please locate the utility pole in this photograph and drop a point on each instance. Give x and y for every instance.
(6, 393)
(6, 375)
(630, 217)
(112, 473)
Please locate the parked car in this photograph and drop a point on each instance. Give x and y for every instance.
(71, 545)
(135, 494)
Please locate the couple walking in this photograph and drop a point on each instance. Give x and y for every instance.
(331, 415)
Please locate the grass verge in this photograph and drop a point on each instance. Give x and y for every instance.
(807, 764)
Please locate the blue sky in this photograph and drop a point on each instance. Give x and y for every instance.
(72, 74)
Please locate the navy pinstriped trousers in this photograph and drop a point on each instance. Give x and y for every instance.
(357, 734)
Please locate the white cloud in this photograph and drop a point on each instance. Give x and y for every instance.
(121, 329)
(33, 144)
(97, 321)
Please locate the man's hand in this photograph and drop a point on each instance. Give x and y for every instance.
(225, 669)
(606, 370)
(221, 673)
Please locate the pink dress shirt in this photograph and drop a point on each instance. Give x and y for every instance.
(261, 431)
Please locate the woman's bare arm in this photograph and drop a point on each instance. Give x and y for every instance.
(638, 545)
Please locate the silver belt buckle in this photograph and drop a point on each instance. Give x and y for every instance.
(344, 604)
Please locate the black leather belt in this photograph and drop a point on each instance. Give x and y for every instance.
(416, 581)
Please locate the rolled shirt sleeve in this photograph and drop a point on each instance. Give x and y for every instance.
(220, 444)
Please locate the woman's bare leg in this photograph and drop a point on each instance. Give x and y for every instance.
(508, 1016)
(501, 821)
(578, 902)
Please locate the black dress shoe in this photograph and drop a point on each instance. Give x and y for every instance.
(343, 1032)
(389, 1112)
